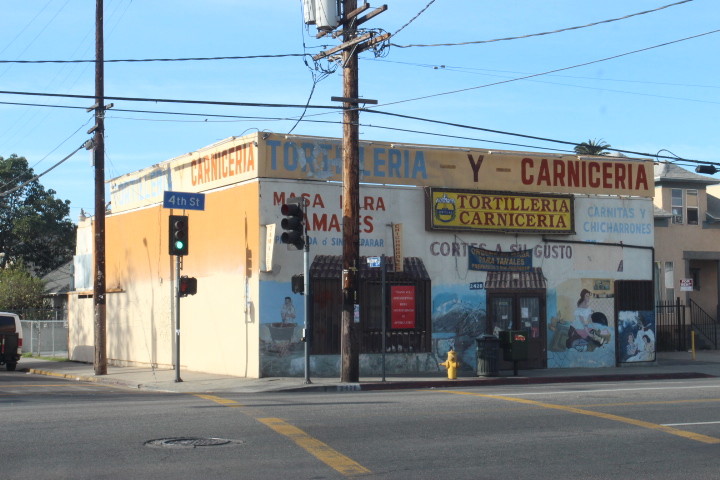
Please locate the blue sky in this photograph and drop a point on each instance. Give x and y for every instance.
(659, 99)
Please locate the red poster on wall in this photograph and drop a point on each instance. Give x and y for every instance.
(402, 306)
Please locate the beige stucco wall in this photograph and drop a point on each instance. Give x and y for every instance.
(219, 328)
(674, 240)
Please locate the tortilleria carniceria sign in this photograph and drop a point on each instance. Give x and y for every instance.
(449, 209)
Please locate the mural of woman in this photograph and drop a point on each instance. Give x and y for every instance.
(584, 328)
(578, 327)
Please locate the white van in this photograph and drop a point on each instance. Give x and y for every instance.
(11, 340)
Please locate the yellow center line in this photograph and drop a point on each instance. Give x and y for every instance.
(580, 411)
(323, 452)
(318, 449)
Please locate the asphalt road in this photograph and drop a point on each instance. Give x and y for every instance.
(62, 429)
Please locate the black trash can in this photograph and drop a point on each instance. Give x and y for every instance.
(514, 344)
(488, 356)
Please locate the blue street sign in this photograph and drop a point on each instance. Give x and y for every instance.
(184, 200)
(373, 262)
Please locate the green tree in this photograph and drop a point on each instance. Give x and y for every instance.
(592, 147)
(35, 228)
(19, 289)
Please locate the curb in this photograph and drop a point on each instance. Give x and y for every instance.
(82, 378)
(399, 385)
(491, 381)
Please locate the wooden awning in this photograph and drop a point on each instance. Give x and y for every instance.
(532, 280)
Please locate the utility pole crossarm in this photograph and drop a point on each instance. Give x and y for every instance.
(357, 43)
(342, 47)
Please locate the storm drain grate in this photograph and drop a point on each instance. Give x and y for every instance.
(191, 442)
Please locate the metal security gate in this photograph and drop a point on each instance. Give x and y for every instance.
(672, 331)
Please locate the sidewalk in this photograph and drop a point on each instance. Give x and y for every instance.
(669, 365)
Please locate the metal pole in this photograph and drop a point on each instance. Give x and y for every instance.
(383, 289)
(177, 319)
(306, 292)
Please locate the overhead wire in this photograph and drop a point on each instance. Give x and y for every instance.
(413, 18)
(476, 42)
(316, 79)
(533, 137)
(584, 64)
(49, 153)
(305, 107)
(35, 177)
(141, 60)
(365, 109)
(170, 100)
(497, 73)
(22, 30)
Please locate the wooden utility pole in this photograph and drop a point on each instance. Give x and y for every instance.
(349, 341)
(352, 45)
(100, 360)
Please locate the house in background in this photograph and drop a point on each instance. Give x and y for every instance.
(58, 284)
(687, 238)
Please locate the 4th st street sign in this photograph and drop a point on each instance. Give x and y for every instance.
(184, 200)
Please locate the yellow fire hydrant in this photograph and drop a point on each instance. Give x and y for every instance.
(451, 364)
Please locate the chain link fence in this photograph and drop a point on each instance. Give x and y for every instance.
(45, 332)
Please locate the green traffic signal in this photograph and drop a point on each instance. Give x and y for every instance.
(178, 233)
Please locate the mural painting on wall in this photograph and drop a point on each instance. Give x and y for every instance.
(581, 326)
(459, 318)
(281, 332)
(636, 333)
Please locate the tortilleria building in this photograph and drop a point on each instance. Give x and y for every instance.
(476, 241)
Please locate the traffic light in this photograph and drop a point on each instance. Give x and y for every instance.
(297, 283)
(293, 224)
(188, 286)
(179, 238)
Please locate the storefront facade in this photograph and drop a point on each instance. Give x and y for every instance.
(476, 242)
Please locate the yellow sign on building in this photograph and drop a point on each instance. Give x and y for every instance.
(499, 211)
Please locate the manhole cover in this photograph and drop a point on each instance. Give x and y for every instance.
(191, 442)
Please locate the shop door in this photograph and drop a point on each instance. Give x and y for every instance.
(520, 311)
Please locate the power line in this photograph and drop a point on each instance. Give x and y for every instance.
(138, 60)
(505, 73)
(414, 18)
(555, 70)
(539, 34)
(533, 137)
(369, 110)
(35, 177)
(169, 100)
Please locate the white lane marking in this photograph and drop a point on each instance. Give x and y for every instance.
(635, 389)
(693, 423)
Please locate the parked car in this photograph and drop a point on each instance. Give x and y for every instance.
(11, 340)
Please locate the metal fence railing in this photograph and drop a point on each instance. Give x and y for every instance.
(704, 323)
(47, 338)
(45, 332)
(671, 328)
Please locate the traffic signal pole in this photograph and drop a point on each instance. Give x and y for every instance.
(306, 304)
(178, 246)
(178, 267)
(296, 234)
